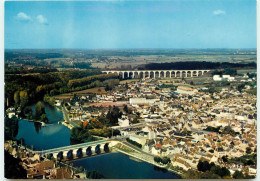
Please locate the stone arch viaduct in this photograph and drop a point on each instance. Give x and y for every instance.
(79, 150)
(157, 73)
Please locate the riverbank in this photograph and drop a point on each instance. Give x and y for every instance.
(35, 121)
(131, 152)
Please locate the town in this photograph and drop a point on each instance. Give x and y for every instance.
(177, 123)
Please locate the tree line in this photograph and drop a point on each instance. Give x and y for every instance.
(196, 65)
(21, 90)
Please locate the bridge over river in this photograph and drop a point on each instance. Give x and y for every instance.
(157, 73)
(80, 150)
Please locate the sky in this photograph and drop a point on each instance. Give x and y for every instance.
(130, 24)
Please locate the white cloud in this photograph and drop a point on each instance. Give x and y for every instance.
(219, 12)
(23, 17)
(41, 19)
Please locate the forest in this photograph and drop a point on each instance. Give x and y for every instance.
(196, 65)
(23, 90)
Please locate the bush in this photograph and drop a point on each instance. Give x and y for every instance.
(164, 160)
(134, 143)
(238, 175)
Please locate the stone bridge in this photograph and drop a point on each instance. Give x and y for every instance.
(157, 73)
(79, 150)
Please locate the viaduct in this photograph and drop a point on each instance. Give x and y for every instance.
(157, 73)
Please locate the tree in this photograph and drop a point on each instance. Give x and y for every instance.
(225, 159)
(80, 169)
(27, 112)
(39, 110)
(108, 88)
(10, 128)
(192, 174)
(240, 87)
(231, 72)
(203, 166)
(125, 108)
(209, 175)
(13, 169)
(113, 115)
(44, 118)
(248, 150)
(215, 169)
(165, 160)
(238, 175)
(157, 159)
(200, 166)
(17, 98)
(224, 172)
(24, 98)
(135, 120)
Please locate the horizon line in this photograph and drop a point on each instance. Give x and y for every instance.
(125, 48)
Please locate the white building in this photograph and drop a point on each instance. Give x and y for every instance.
(135, 101)
(186, 90)
(123, 122)
(217, 78)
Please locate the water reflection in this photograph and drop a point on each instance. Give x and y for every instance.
(160, 169)
(52, 135)
(37, 126)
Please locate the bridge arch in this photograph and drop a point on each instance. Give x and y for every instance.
(79, 153)
(167, 74)
(141, 74)
(60, 155)
(70, 154)
(131, 75)
(146, 74)
(120, 74)
(152, 75)
(172, 73)
(188, 74)
(106, 147)
(184, 74)
(88, 151)
(157, 74)
(200, 73)
(194, 73)
(97, 149)
(125, 74)
(161, 74)
(136, 75)
(178, 74)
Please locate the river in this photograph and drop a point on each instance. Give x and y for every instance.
(111, 166)
(52, 135)
(120, 166)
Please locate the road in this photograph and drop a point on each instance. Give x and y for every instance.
(66, 118)
(138, 125)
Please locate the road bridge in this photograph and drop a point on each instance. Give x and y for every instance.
(157, 73)
(80, 150)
